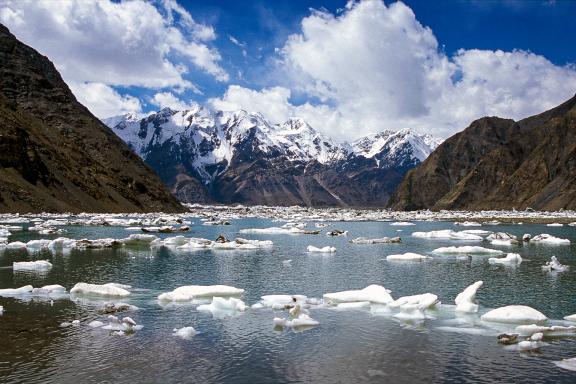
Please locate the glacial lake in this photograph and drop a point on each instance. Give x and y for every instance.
(349, 346)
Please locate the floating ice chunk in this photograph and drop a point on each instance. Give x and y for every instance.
(407, 257)
(95, 324)
(279, 231)
(402, 223)
(554, 265)
(510, 259)
(118, 285)
(422, 301)
(468, 223)
(258, 243)
(326, 249)
(353, 305)
(447, 234)
(514, 314)
(38, 265)
(287, 262)
(502, 238)
(38, 244)
(569, 364)
(555, 225)
(62, 243)
(10, 292)
(467, 249)
(538, 336)
(526, 237)
(466, 300)
(410, 312)
(49, 290)
(548, 239)
(383, 240)
(189, 292)
(185, 333)
(175, 241)
(139, 239)
(221, 304)
(16, 245)
(556, 330)
(372, 293)
(570, 317)
(303, 320)
(527, 345)
(479, 232)
(99, 290)
(1, 310)
(282, 301)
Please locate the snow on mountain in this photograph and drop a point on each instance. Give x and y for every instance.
(208, 140)
(405, 147)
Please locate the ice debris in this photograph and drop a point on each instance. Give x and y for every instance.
(466, 300)
(326, 249)
(514, 314)
(510, 259)
(409, 256)
(109, 289)
(189, 292)
(554, 265)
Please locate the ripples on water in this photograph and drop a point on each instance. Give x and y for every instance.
(348, 346)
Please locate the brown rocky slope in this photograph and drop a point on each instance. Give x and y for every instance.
(499, 164)
(55, 155)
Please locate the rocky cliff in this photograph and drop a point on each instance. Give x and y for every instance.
(499, 164)
(55, 155)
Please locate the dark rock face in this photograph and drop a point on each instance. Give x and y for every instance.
(499, 164)
(55, 155)
(240, 157)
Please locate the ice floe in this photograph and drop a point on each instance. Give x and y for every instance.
(280, 231)
(555, 330)
(109, 289)
(514, 314)
(422, 301)
(223, 306)
(510, 259)
(468, 223)
(548, 239)
(467, 250)
(185, 333)
(568, 364)
(466, 300)
(409, 256)
(448, 234)
(373, 293)
(189, 292)
(32, 266)
(326, 249)
(402, 223)
(502, 238)
(382, 240)
(554, 265)
(570, 318)
(302, 321)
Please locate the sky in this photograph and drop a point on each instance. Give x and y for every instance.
(349, 68)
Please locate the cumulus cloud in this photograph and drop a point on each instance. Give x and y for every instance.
(169, 100)
(127, 43)
(103, 100)
(375, 67)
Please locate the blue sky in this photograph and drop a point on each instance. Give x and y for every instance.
(347, 68)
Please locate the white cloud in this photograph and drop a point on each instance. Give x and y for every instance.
(103, 100)
(376, 67)
(127, 43)
(168, 99)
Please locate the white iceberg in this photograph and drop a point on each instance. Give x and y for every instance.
(16, 245)
(402, 223)
(548, 239)
(410, 312)
(109, 289)
(279, 231)
(407, 257)
(510, 259)
(466, 300)
(221, 304)
(554, 265)
(185, 333)
(514, 314)
(31, 266)
(555, 225)
(502, 238)
(303, 320)
(189, 292)
(569, 364)
(447, 234)
(372, 293)
(468, 223)
(422, 301)
(570, 317)
(555, 330)
(326, 249)
(10, 292)
(467, 250)
(383, 240)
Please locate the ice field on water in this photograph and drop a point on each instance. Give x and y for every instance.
(361, 342)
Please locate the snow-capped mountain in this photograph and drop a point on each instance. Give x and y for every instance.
(404, 148)
(238, 156)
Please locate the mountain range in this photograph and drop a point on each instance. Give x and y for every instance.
(55, 155)
(499, 164)
(207, 155)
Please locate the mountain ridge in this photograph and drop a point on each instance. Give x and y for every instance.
(227, 157)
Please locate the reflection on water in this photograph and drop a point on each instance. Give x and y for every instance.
(348, 346)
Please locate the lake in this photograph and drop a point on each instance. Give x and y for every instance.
(353, 345)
